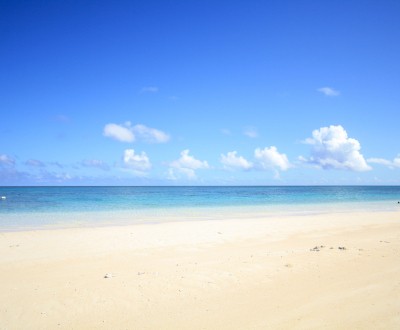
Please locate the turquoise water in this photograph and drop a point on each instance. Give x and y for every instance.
(46, 206)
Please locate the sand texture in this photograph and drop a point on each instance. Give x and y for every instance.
(332, 271)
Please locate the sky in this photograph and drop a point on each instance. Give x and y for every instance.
(199, 92)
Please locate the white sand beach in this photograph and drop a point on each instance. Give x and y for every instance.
(327, 271)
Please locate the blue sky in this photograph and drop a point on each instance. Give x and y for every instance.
(199, 92)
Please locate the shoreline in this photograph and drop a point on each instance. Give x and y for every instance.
(91, 219)
(268, 272)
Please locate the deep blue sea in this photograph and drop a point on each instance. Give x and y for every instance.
(34, 207)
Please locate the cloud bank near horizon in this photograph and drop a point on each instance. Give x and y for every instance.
(331, 148)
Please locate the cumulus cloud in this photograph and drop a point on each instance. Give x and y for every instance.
(34, 163)
(96, 163)
(331, 148)
(129, 133)
(121, 133)
(328, 91)
(270, 158)
(150, 135)
(186, 165)
(231, 160)
(250, 132)
(395, 163)
(137, 162)
(6, 160)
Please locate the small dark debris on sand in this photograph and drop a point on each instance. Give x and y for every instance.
(317, 248)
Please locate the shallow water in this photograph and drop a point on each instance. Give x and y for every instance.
(38, 207)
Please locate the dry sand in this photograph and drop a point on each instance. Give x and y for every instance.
(250, 273)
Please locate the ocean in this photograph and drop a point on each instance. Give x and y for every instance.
(44, 207)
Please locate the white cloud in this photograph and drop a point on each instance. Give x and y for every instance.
(150, 135)
(250, 132)
(96, 163)
(137, 162)
(35, 163)
(270, 158)
(231, 160)
(395, 163)
(333, 149)
(328, 91)
(119, 132)
(171, 175)
(187, 165)
(380, 161)
(6, 160)
(129, 133)
(149, 89)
